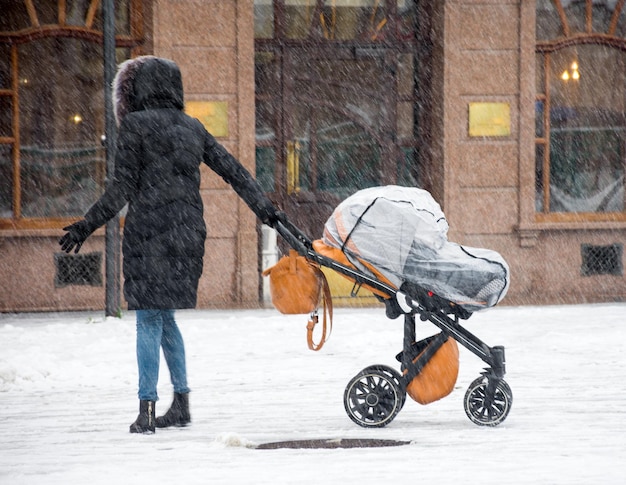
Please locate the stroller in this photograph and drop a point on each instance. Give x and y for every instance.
(393, 242)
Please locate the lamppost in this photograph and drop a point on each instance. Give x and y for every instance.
(112, 234)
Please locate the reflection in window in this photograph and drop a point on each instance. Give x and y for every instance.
(333, 20)
(336, 113)
(344, 20)
(263, 19)
(62, 159)
(349, 158)
(52, 163)
(580, 110)
(6, 190)
(266, 78)
(14, 15)
(265, 167)
(587, 130)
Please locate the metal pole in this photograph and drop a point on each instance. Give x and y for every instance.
(112, 235)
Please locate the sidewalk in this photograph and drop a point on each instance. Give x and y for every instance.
(68, 394)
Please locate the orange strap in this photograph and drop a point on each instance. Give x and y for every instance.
(327, 325)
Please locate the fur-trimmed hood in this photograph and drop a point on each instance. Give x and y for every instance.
(146, 82)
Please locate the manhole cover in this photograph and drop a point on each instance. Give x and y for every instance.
(331, 443)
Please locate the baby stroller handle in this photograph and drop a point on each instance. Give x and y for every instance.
(294, 237)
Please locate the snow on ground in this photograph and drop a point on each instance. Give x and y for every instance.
(68, 394)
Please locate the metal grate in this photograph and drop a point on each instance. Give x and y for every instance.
(78, 269)
(599, 260)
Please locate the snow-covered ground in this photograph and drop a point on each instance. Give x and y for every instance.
(68, 394)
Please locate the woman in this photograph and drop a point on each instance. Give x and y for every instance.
(157, 172)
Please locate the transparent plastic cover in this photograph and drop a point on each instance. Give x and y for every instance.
(403, 233)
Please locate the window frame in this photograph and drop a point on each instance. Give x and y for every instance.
(135, 41)
(545, 48)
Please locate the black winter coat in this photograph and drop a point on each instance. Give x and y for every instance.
(157, 172)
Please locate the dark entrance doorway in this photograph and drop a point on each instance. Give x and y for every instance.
(334, 103)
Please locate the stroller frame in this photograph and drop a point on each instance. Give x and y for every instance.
(375, 396)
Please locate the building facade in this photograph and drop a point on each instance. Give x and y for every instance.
(511, 112)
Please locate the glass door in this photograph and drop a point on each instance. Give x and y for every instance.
(335, 101)
(339, 114)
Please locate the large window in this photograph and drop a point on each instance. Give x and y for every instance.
(319, 29)
(335, 100)
(52, 163)
(580, 109)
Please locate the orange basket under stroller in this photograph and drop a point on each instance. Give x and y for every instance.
(414, 271)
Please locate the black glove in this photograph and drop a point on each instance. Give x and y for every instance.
(76, 235)
(269, 215)
(278, 216)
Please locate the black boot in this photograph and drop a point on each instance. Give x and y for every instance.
(145, 420)
(177, 414)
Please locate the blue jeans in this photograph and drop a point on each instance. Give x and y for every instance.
(157, 329)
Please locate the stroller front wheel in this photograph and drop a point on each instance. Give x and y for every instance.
(488, 403)
(374, 397)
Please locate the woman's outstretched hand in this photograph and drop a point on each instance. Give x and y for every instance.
(76, 235)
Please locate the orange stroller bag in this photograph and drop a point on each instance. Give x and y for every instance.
(298, 286)
(295, 284)
(438, 375)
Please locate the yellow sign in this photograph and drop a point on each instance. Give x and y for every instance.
(212, 114)
(489, 119)
(293, 167)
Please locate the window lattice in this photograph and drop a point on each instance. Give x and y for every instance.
(78, 269)
(602, 260)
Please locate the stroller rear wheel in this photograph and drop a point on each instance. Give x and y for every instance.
(488, 403)
(374, 397)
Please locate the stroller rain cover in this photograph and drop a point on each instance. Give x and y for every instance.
(403, 233)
